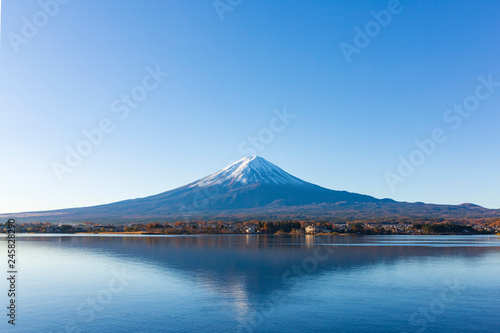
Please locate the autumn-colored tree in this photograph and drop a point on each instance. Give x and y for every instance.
(152, 226)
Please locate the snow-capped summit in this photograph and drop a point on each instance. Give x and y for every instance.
(250, 170)
(253, 189)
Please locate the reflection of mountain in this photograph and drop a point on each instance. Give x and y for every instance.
(254, 188)
(255, 267)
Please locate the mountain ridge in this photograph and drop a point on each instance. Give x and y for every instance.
(254, 188)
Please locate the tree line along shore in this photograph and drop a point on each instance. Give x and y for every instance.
(266, 227)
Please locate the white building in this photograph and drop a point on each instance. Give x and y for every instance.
(312, 229)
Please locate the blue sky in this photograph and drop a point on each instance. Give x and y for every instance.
(352, 120)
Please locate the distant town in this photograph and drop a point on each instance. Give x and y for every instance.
(259, 227)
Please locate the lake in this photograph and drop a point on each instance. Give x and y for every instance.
(255, 283)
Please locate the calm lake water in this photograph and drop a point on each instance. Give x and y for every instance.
(256, 283)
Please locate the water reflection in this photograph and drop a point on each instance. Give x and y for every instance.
(219, 283)
(256, 264)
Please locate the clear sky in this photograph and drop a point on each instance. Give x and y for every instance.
(231, 69)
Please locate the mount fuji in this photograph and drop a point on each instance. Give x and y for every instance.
(253, 188)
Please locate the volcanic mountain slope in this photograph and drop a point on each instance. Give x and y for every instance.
(253, 188)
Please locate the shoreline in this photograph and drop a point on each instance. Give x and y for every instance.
(145, 233)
